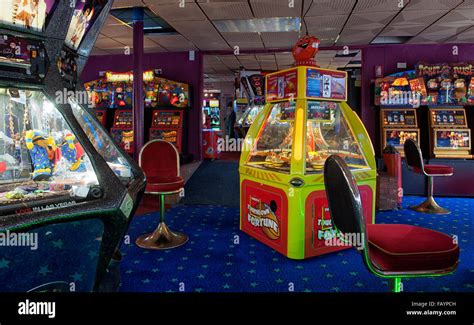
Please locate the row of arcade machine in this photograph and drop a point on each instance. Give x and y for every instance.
(305, 120)
(67, 192)
(254, 86)
(432, 101)
(112, 96)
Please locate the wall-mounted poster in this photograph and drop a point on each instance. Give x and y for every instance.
(85, 13)
(326, 84)
(26, 14)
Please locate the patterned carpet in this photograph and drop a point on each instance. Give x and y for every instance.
(211, 262)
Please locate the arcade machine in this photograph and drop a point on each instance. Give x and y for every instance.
(211, 110)
(256, 93)
(122, 100)
(398, 100)
(305, 120)
(169, 99)
(449, 137)
(450, 88)
(55, 189)
(101, 97)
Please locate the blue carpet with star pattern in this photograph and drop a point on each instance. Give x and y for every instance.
(212, 262)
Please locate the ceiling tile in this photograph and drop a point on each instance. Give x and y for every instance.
(279, 39)
(432, 4)
(174, 12)
(105, 43)
(272, 8)
(187, 28)
(330, 7)
(127, 3)
(173, 42)
(244, 40)
(377, 5)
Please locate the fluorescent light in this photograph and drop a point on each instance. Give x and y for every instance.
(275, 24)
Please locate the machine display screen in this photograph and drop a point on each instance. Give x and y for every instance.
(397, 137)
(85, 13)
(399, 118)
(448, 117)
(453, 139)
(26, 14)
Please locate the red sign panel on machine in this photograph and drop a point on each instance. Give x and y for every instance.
(282, 85)
(264, 209)
(321, 236)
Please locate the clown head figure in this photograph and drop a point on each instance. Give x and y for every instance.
(305, 50)
(71, 153)
(42, 151)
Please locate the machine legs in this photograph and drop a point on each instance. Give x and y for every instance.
(162, 237)
(429, 205)
(395, 284)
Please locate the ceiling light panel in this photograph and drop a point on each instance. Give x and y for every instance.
(174, 12)
(227, 10)
(275, 24)
(330, 7)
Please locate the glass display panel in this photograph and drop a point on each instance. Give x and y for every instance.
(102, 143)
(453, 139)
(252, 114)
(272, 149)
(327, 133)
(26, 14)
(40, 157)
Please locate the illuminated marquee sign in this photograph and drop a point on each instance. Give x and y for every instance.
(127, 76)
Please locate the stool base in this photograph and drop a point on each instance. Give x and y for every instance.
(162, 238)
(430, 206)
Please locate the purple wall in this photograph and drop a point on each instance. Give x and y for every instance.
(388, 56)
(176, 66)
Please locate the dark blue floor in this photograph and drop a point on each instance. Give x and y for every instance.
(210, 261)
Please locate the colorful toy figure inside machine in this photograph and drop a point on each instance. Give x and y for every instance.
(73, 153)
(305, 49)
(42, 151)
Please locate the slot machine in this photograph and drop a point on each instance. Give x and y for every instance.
(63, 180)
(450, 136)
(170, 99)
(397, 125)
(122, 129)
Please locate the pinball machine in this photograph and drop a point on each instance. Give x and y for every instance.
(305, 120)
(64, 184)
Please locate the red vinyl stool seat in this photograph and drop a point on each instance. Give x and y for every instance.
(159, 160)
(164, 184)
(443, 170)
(405, 248)
(414, 160)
